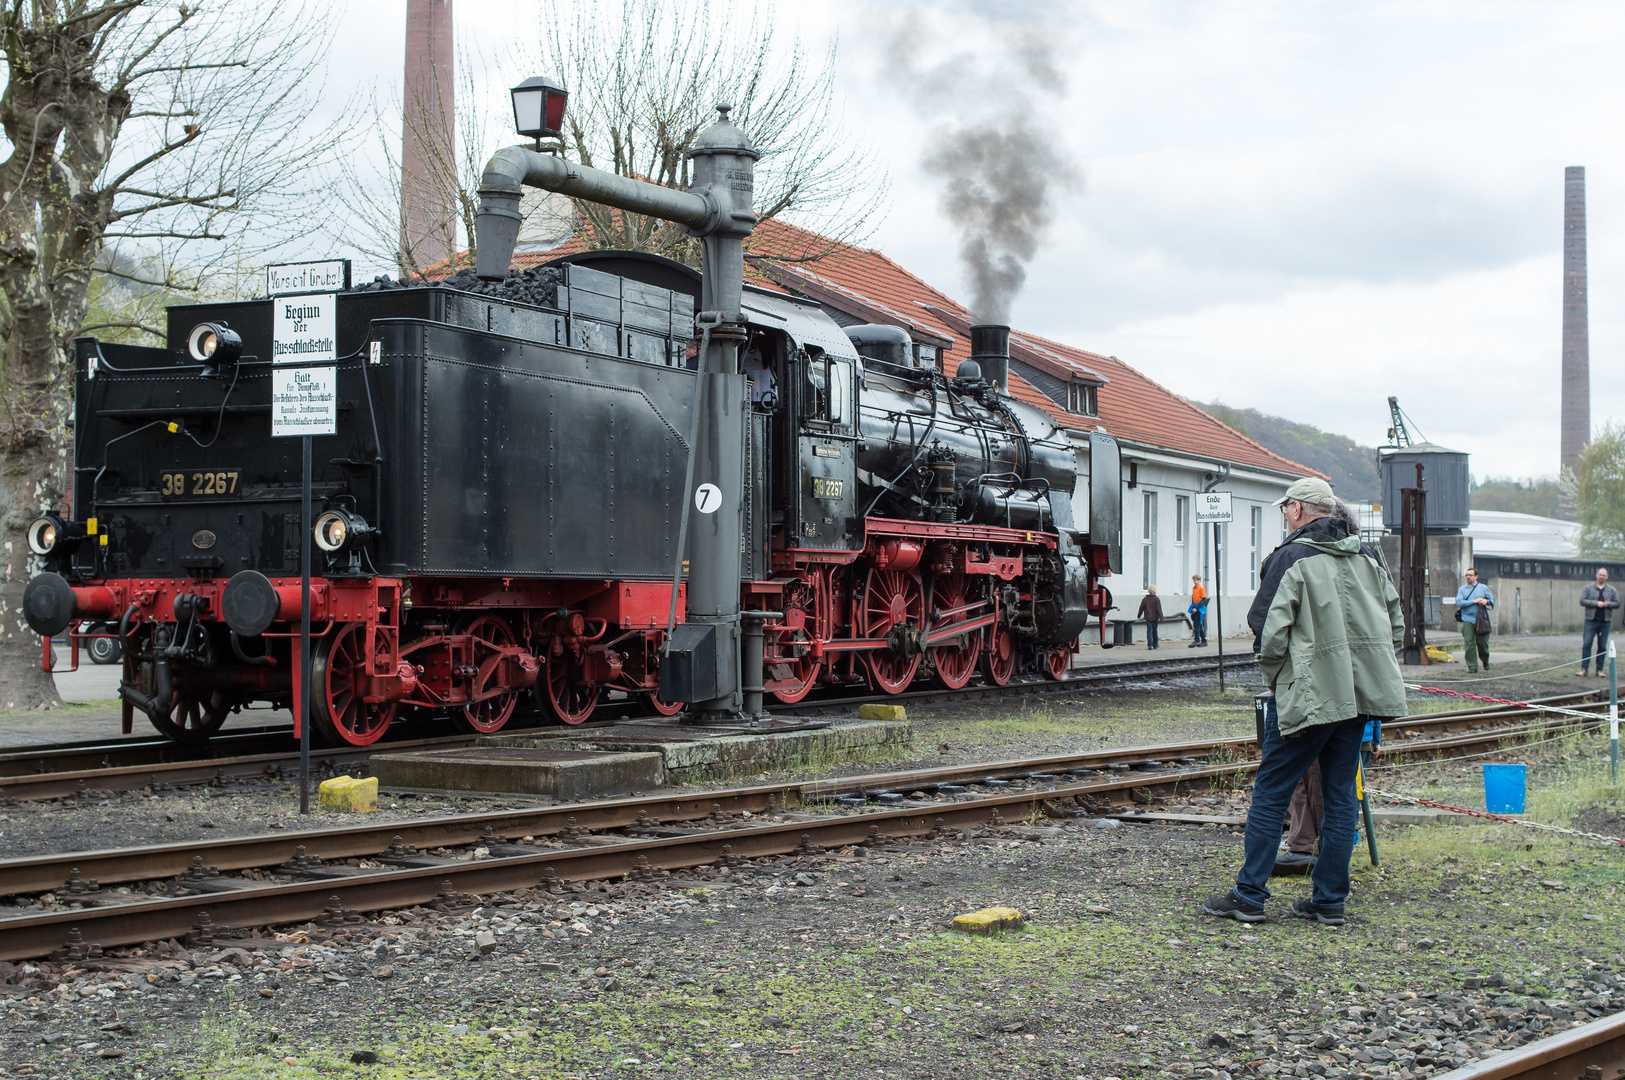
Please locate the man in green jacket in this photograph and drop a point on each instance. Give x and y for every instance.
(1326, 624)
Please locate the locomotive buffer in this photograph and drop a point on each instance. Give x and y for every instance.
(705, 661)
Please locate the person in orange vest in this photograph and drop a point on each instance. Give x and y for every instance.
(1198, 612)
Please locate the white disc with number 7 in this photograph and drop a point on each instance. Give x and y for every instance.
(707, 497)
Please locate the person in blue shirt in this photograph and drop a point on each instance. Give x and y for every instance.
(1473, 604)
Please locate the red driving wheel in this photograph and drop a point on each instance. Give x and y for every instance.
(561, 690)
(338, 678)
(953, 662)
(891, 598)
(493, 712)
(662, 708)
(1058, 663)
(999, 662)
(789, 667)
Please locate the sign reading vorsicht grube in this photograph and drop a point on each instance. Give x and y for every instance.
(304, 330)
(328, 275)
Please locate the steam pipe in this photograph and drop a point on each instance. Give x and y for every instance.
(514, 168)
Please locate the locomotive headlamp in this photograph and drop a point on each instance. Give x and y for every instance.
(538, 107)
(339, 530)
(43, 533)
(49, 534)
(214, 345)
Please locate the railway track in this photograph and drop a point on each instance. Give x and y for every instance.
(1594, 1051)
(64, 770)
(83, 769)
(161, 891)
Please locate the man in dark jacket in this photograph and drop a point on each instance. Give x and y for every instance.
(1600, 601)
(1326, 623)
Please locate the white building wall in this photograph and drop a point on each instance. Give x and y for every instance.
(1176, 547)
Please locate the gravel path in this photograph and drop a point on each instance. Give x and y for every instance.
(1468, 940)
(841, 965)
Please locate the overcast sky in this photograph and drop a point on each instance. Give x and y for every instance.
(1300, 207)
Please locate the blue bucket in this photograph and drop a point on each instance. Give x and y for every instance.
(1504, 787)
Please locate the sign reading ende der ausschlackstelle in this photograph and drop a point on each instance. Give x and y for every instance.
(304, 331)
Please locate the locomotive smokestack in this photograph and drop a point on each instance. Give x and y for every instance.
(990, 347)
(1576, 416)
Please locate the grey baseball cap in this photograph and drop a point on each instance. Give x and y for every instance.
(1310, 490)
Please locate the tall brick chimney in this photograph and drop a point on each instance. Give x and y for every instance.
(428, 136)
(1576, 430)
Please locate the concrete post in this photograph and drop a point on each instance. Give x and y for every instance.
(1576, 392)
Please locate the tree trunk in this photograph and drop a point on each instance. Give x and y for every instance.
(29, 482)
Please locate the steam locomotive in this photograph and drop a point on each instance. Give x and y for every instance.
(498, 515)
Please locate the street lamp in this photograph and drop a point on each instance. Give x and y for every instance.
(538, 107)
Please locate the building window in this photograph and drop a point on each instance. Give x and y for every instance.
(1081, 398)
(1255, 542)
(1148, 539)
(1182, 533)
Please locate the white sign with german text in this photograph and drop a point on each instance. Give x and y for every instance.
(304, 400)
(328, 275)
(1213, 506)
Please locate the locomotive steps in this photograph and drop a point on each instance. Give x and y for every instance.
(639, 755)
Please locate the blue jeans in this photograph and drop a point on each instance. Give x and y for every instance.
(1151, 633)
(1337, 747)
(1198, 625)
(1594, 630)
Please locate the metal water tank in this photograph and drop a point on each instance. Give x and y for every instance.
(1444, 478)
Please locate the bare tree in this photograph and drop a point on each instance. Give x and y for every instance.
(178, 131)
(370, 188)
(645, 77)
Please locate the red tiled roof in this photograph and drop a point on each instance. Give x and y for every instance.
(868, 285)
(1132, 407)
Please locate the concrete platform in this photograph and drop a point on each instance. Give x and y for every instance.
(637, 755)
(692, 754)
(565, 775)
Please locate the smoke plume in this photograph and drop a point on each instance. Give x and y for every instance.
(1000, 167)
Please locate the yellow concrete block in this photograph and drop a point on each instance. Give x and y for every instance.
(882, 712)
(988, 920)
(348, 794)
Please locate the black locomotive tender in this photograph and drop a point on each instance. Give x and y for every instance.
(499, 510)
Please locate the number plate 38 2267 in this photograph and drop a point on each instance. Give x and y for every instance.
(173, 485)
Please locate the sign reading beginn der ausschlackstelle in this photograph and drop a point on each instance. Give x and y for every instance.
(304, 400)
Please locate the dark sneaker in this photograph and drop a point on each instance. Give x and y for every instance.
(1231, 906)
(1331, 916)
(1293, 862)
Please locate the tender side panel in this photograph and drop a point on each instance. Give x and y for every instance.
(526, 459)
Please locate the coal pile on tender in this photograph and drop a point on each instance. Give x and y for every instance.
(537, 286)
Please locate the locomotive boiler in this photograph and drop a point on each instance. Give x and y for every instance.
(528, 491)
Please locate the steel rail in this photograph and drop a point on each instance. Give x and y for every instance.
(37, 935)
(84, 756)
(38, 874)
(1592, 1050)
(57, 785)
(44, 873)
(58, 772)
(254, 905)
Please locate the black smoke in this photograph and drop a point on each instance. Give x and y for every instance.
(998, 151)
